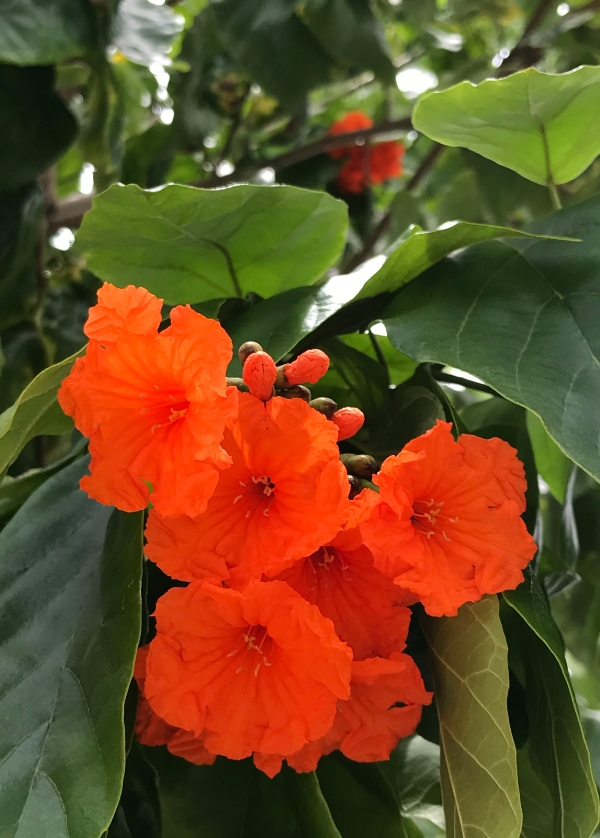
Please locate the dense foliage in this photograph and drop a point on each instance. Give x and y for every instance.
(441, 248)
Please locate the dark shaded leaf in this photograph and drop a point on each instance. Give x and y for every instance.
(45, 31)
(37, 127)
(71, 605)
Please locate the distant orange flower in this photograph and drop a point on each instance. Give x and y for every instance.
(367, 609)
(446, 523)
(285, 495)
(385, 705)
(154, 405)
(366, 164)
(259, 670)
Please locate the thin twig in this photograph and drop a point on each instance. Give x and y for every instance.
(536, 19)
(377, 348)
(305, 152)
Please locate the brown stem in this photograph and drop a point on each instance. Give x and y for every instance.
(235, 124)
(305, 152)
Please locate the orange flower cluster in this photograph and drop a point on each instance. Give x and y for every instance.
(365, 164)
(289, 639)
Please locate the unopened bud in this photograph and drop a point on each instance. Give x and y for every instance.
(360, 465)
(247, 349)
(325, 406)
(259, 374)
(239, 383)
(349, 421)
(281, 382)
(297, 392)
(309, 367)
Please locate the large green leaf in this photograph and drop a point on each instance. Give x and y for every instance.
(479, 770)
(233, 798)
(523, 317)
(188, 245)
(270, 41)
(556, 746)
(545, 127)
(70, 598)
(35, 412)
(554, 467)
(45, 31)
(349, 31)
(421, 249)
(37, 127)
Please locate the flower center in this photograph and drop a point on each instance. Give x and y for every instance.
(165, 407)
(253, 495)
(256, 644)
(426, 517)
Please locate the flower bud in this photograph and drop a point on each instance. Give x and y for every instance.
(247, 349)
(349, 421)
(259, 374)
(297, 392)
(309, 367)
(325, 406)
(360, 465)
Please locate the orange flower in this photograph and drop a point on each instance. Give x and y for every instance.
(150, 729)
(255, 671)
(366, 164)
(285, 495)
(385, 705)
(153, 404)
(366, 608)
(446, 523)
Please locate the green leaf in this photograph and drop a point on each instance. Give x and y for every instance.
(138, 813)
(35, 412)
(420, 250)
(144, 31)
(280, 322)
(545, 127)
(557, 747)
(274, 46)
(554, 467)
(366, 378)
(235, 798)
(188, 245)
(479, 770)
(523, 318)
(361, 798)
(14, 491)
(416, 768)
(37, 127)
(349, 31)
(20, 215)
(400, 367)
(45, 31)
(71, 604)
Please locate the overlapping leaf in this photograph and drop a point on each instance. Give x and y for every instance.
(522, 317)
(479, 771)
(70, 599)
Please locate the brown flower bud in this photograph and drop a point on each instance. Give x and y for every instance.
(281, 382)
(349, 421)
(360, 465)
(356, 486)
(325, 406)
(309, 367)
(297, 392)
(259, 374)
(247, 349)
